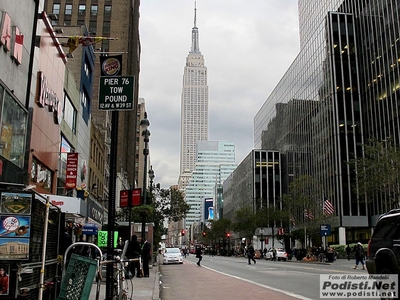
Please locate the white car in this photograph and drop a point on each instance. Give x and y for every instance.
(172, 256)
(280, 254)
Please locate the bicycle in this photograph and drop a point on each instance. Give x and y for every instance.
(122, 290)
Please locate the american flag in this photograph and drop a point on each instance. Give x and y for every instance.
(328, 208)
(308, 214)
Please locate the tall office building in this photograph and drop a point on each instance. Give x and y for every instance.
(341, 91)
(194, 107)
(215, 162)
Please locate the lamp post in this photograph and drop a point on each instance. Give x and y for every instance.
(146, 134)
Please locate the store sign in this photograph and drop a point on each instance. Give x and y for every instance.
(71, 170)
(11, 38)
(48, 97)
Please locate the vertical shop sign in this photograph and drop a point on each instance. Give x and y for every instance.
(71, 170)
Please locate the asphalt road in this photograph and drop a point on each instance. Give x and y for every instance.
(233, 278)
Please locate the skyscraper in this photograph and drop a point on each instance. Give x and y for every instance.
(215, 162)
(194, 107)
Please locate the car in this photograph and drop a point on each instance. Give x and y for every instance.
(172, 256)
(280, 254)
(383, 251)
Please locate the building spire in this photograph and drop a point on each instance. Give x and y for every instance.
(195, 34)
(195, 10)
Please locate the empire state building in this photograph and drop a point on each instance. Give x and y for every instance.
(194, 107)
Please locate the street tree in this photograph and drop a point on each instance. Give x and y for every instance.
(377, 173)
(245, 222)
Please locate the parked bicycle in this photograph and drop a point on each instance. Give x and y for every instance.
(122, 283)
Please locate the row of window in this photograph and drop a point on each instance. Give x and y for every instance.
(81, 9)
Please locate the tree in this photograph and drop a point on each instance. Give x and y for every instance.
(245, 222)
(301, 204)
(171, 204)
(377, 174)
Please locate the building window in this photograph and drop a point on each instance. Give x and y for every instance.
(13, 129)
(107, 11)
(106, 28)
(92, 28)
(68, 9)
(82, 9)
(56, 8)
(70, 114)
(93, 10)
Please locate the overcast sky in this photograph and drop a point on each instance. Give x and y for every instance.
(247, 47)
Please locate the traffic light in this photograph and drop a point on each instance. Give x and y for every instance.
(228, 235)
(183, 232)
(204, 234)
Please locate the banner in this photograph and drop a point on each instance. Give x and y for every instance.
(71, 170)
(111, 65)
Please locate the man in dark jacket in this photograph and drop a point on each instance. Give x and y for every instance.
(135, 252)
(146, 255)
(250, 254)
(199, 252)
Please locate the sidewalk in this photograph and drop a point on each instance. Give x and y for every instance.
(146, 288)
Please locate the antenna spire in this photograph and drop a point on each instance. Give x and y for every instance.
(195, 34)
(195, 10)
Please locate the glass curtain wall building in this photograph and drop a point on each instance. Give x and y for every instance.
(340, 91)
(215, 162)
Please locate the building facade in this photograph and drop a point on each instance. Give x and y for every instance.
(342, 90)
(194, 107)
(215, 162)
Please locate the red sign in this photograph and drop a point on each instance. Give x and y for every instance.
(72, 170)
(124, 198)
(136, 199)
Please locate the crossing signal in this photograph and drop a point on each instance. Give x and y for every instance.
(204, 234)
(228, 235)
(183, 232)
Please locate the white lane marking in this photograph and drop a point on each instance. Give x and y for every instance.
(261, 285)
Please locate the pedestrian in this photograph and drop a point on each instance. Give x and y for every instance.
(146, 255)
(199, 252)
(348, 252)
(135, 252)
(4, 281)
(359, 254)
(250, 254)
(274, 254)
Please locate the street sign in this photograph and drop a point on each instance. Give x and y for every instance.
(325, 230)
(116, 93)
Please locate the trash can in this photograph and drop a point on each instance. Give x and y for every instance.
(329, 257)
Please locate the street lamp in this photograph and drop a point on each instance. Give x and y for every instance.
(146, 134)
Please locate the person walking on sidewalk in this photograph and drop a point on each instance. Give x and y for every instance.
(250, 254)
(135, 252)
(146, 255)
(359, 254)
(348, 252)
(199, 252)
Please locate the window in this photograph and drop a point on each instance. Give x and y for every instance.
(13, 129)
(93, 10)
(92, 28)
(82, 9)
(106, 28)
(68, 9)
(107, 11)
(56, 8)
(70, 114)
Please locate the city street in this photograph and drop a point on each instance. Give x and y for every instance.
(233, 278)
